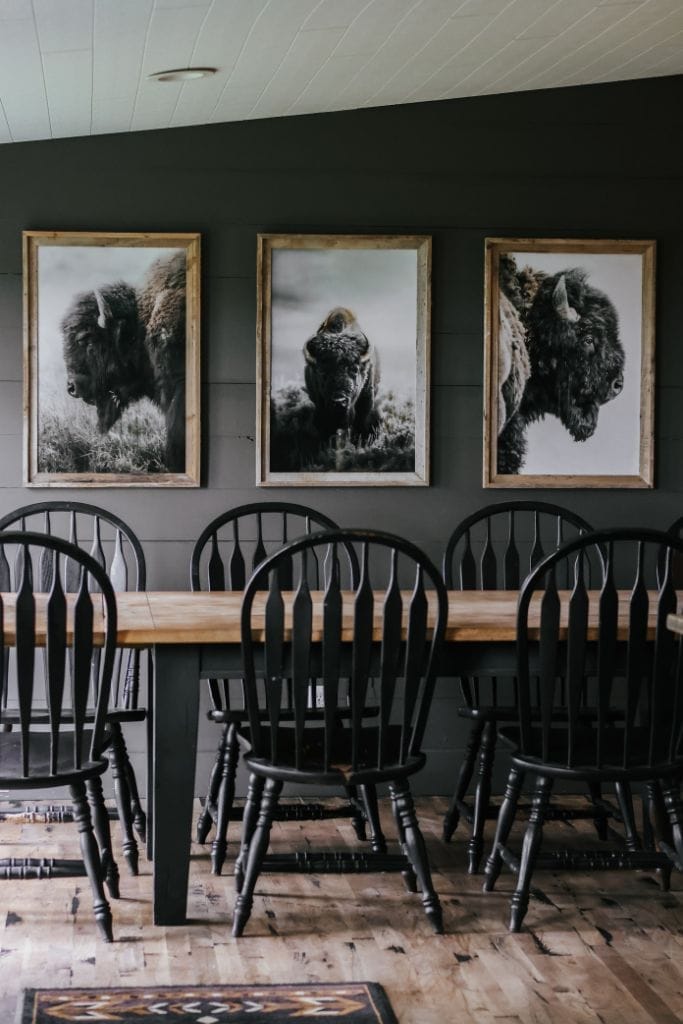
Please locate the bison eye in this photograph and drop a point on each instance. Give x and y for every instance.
(588, 342)
(89, 348)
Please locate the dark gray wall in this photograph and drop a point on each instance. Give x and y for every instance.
(603, 161)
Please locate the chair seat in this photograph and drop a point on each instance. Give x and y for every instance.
(490, 713)
(11, 776)
(10, 716)
(612, 768)
(506, 713)
(312, 764)
(236, 716)
(127, 715)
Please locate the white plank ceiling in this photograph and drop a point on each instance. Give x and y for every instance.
(80, 67)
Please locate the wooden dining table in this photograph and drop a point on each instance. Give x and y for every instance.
(196, 636)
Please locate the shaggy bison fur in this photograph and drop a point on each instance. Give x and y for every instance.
(123, 344)
(341, 376)
(559, 354)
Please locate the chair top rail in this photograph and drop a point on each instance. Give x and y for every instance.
(548, 523)
(97, 515)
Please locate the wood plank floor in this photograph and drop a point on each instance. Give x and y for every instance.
(596, 948)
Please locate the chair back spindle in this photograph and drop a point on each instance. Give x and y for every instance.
(25, 643)
(244, 536)
(512, 538)
(113, 546)
(362, 633)
(610, 678)
(60, 711)
(247, 534)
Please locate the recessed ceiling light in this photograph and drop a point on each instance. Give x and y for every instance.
(182, 74)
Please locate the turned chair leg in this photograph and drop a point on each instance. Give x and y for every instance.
(648, 811)
(91, 859)
(368, 795)
(600, 819)
(119, 756)
(206, 816)
(102, 828)
(482, 796)
(226, 797)
(506, 817)
(657, 827)
(257, 851)
(452, 816)
(671, 793)
(249, 818)
(139, 816)
(661, 828)
(416, 851)
(408, 875)
(625, 801)
(358, 817)
(533, 838)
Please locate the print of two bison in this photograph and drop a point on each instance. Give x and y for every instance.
(559, 353)
(122, 344)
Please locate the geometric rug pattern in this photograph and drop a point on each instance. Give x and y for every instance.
(355, 1003)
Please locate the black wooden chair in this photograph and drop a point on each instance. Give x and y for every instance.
(649, 809)
(493, 549)
(59, 745)
(611, 701)
(352, 738)
(239, 538)
(676, 529)
(118, 551)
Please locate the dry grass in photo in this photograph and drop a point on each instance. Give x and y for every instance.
(69, 441)
(295, 443)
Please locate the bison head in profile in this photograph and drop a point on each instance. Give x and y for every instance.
(577, 359)
(341, 378)
(102, 350)
(123, 344)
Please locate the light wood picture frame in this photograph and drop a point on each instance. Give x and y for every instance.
(111, 359)
(343, 355)
(569, 363)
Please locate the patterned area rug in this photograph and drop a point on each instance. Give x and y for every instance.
(356, 1003)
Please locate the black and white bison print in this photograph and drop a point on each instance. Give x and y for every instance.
(122, 344)
(559, 353)
(341, 376)
(332, 416)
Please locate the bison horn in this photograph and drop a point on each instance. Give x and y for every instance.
(310, 358)
(561, 302)
(102, 308)
(365, 355)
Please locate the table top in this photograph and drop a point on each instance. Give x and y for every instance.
(184, 617)
(475, 616)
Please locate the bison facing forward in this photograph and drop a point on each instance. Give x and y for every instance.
(123, 344)
(559, 353)
(341, 376)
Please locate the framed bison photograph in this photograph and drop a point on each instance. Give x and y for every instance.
(111, 359)
(569, 363)
(343, 360)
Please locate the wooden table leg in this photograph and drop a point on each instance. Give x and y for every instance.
(150, 753)
(176, 708)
